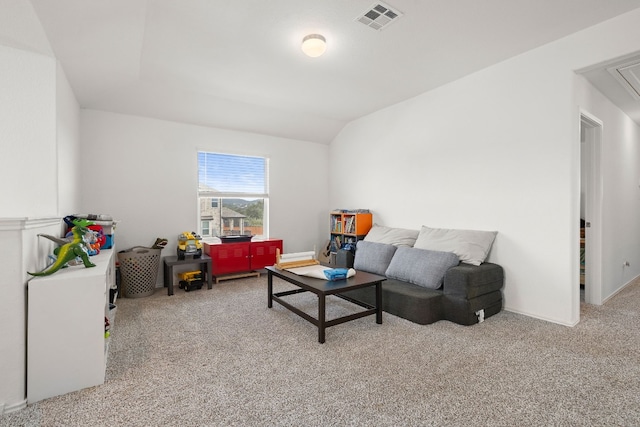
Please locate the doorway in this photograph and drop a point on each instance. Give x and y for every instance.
(590, 209)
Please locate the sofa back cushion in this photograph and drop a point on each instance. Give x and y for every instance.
(420, 266)
(391, 235)
(471, 246)
(373, 257)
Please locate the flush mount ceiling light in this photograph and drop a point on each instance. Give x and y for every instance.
(314, 45)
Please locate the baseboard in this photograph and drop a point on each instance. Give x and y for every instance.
(620, 289)
(573, 324)
(6, 409)
(546, 319)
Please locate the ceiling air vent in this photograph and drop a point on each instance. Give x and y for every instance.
(628, 75)
(379, 16)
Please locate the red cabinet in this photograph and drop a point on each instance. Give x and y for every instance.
(263, 254)
(229, 258)
(242, 257)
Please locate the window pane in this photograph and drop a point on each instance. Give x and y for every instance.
(205, 229)
(232, 216)
(232, 194)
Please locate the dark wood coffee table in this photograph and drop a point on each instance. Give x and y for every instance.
(322, 288)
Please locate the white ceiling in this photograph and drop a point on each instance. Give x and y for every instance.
(237, 64)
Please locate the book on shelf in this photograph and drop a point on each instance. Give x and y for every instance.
(336, 224)
(349, 226)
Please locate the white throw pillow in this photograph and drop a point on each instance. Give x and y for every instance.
(471, 246)
(391, 235)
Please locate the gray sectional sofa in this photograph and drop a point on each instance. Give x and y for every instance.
(432, 274)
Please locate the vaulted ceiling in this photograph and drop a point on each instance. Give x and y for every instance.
(237, 64)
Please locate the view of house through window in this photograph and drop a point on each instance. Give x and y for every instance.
(232, 195)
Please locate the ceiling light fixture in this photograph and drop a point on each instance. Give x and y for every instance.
(314, 45)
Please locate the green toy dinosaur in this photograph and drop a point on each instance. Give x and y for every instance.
(68, 252)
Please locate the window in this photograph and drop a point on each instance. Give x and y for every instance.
(206, 231)
(232, 195)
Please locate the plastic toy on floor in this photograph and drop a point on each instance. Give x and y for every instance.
(190, 280)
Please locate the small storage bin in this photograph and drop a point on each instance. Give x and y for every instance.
(108, 244)
(139, 270)
(235, 238)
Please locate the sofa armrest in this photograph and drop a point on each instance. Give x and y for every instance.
(470, 281)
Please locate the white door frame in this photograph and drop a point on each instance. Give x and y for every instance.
(591, 126)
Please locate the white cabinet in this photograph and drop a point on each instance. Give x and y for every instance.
(66, 344)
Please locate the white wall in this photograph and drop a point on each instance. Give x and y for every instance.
(68, 146)
(620, 165)
(144, 173)
(496, 150)
(28, 129)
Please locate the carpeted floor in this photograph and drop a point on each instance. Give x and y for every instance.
(220, 357)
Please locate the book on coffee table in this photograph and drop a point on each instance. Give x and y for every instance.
(316, 271)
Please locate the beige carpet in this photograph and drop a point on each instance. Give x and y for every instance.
(220, 357)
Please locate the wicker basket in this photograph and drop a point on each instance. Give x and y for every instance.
(139, 269)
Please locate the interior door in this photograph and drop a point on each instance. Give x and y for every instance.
(591, 205)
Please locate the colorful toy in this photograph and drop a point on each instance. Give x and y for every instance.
(72, 221)
(98, 231)
(189, 245)
(160, 243)
(190, 280)
(95, 240)
(68, 252)
(91, 242)
(58, 240)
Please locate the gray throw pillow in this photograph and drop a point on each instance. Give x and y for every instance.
(421, 266)
(373, 257)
